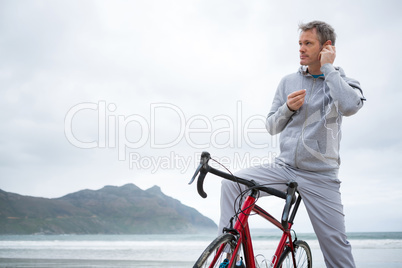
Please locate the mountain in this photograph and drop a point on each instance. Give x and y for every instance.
(110, 210)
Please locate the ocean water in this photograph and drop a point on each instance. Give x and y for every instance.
(369, 249)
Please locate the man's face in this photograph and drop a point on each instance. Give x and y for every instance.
(310, 48)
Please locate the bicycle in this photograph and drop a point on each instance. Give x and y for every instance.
(290, 252)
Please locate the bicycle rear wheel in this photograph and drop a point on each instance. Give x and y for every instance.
(302, 256)
(214, 254)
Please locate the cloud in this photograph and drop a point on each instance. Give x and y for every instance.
(201, 64)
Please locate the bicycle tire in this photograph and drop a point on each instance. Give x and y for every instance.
(302, 255)
(209, 253)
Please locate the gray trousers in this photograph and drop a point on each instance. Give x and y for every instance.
(321, 197)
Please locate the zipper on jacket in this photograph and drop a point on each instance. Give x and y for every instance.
(305, 120)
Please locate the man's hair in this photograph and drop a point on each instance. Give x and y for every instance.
(324, 30)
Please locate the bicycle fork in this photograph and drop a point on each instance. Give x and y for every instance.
(242, 231)
(287, 236)
(285, 241)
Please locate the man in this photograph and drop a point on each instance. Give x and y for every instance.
(307, 110)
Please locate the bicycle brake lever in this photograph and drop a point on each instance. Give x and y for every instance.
(196, 173)
(205, 156)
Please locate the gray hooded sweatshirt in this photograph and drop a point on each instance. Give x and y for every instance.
(310, 136)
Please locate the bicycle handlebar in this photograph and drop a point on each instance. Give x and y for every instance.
(203, 168)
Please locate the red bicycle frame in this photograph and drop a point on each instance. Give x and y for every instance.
(244, 237)
(241, 229)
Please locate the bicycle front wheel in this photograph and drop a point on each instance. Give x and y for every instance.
(302, 256)
(218, 251)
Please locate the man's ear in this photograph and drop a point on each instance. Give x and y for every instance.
(328, 42)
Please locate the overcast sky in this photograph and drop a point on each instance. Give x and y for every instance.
(97, 93)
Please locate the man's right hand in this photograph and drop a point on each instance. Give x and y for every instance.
(296, 99)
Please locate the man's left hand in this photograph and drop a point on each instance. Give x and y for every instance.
(327, 55)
